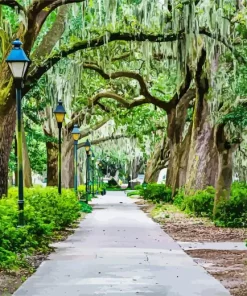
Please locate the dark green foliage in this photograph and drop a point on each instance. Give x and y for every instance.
(157, 193)
(229, 213)
(233, 212)
(136, 192)
(179, 200)
(113, 183)
(85, 208)
(201, 203)
(138, 187)
(45, 212)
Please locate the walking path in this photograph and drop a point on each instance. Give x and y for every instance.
(116, 251)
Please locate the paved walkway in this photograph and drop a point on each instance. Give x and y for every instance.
(116, 251)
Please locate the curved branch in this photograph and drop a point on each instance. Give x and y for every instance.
(13, 4)
(143, 87)
(128, 105)
(95, 127)
(37, 72)
(104, 139)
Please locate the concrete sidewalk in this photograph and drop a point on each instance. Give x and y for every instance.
(116, 251)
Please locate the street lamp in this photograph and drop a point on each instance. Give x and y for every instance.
(87, 146)
(19, 63)
(60, 114)
(93, 158)
(107, 160)
(76, 136)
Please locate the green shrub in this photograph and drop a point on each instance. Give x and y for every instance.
(201, 203)
(85, 208)
(138, 187)
(136, 192)
(233, 212)
(113, 184)
(157, 193)
(179, 200)
(82, 191)
(45, 212)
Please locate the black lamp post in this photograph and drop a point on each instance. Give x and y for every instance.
(87, 146)
(19, 63)
(76, 136)
(93, 158)
(60, 114)
(98, 171)
(107, 160)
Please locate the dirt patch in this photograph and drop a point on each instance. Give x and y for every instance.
(191, 229)
(229, 267)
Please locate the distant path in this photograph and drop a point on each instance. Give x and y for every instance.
(116, 251)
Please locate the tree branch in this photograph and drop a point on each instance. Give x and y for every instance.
(98, 125)
(118, 36)
(52, 36)
(143, 87)
(104, 139)
(13, 4)
(128, 105)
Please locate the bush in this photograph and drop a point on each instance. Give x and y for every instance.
(179, 200)
(157, 193)
(45, 212)
(229, 213)
(82, 191)
(138, 187)
(233, 212)
(201, 203)
(136, 192)
(113, 184)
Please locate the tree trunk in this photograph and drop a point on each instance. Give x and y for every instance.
(67, 162)
(184, 157)
(157, 162)
(52, 164)
(225, 170)
(27, 171)
(175, 131)
(7, 128)
(202, 165)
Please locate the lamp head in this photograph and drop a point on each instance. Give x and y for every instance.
(18, 61)
(59, 112)
(76, 133)
(87, 145)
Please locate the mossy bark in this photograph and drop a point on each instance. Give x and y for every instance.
(68, 161)
(157, 162)
(225, 169)
(175, 131)
(7, 128)
(202, 167)
(52, 164)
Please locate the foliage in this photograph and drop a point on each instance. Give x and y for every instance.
(229, 213)
(233, 212)
(81, 189)
(45, 212)
(85, 208)
(201, 203)
(135, 192)
(157, 193)
(112, 183)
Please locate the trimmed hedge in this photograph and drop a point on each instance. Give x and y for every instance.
(45, 212)
(155, 192)
(229, 213)
(233, 212)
